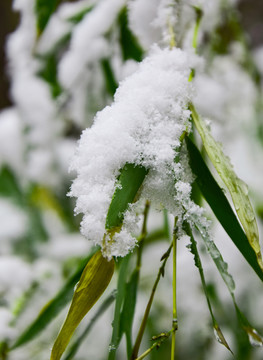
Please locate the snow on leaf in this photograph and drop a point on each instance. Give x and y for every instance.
(237, 188)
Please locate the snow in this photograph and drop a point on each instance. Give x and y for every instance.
(143, 127)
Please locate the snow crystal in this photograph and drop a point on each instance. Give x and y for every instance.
(143, 127)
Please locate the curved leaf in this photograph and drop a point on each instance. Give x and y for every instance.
(93, 282)
(53, 307)
(130, 180)
(237, 188)
(220, 206)
(44, 9)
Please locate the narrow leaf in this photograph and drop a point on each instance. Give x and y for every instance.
(53, 307)
(44, 9)
(220, 206)
(78, 17)
(254, 337)
(127, 314)
(116, 335)
(237, 188)
(110, 81)
(130, 46)
(217, 331)
(93, 282)
(104, 306)
(130, 180)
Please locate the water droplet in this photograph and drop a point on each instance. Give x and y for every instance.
(75, 287)
(112, 347)
(220, 337)
(218, 159)
(243, 186)
(254, 337)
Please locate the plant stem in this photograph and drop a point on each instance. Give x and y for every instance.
(148, 307)
(157, 344)
(175, 323)
(143, 234)
(199, 15)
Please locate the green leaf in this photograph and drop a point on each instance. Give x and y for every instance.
(9, 186)
(49, 73)
(44, 9)
(254, 337)
(128, 309)
(194, 250)
(116, 334)
(111, 83)
(129, 182)
(78, 17)
(93, 282)
(237, 188)
(104, 306)
(130, 46)
(220, 206)
(53, 307)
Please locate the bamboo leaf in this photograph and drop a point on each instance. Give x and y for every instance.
(127, 314)
(93, 282)
(116, 334)
(53, 307)
(110, 81)
(78, 17)
(220, 206)
(130, 181)
(130, 46)
(44, 9)
(104, 306)
(194, 250)
(254, 337)
(237, 188)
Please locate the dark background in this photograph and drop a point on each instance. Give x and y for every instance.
(251, 16)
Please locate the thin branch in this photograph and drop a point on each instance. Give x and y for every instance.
(148, 307)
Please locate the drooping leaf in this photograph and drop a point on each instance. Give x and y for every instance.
(44, 9)
(77, 343)
(93, 282)
(237, 188)
(220, 206)
(110, 81)
(130, 46)
(217, 331)
(129, 182)
(254, 337)
(54, 306)
(49, 73)
(116, 334)
(127, 313)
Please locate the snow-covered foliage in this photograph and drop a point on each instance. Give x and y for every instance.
(142, 127)
(97, 85)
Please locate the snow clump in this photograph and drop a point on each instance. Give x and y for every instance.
(142, 127)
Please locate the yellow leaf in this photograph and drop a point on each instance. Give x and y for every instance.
(237, 188)
(94, 280)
